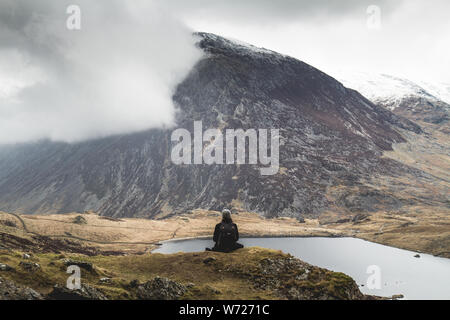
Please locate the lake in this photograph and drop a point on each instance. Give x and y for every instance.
(427, 277)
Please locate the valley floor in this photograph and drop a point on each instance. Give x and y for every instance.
(422, 230)
(113, 255)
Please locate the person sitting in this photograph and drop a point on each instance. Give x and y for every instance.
(226, 234)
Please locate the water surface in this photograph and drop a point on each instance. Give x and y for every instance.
(401, 273)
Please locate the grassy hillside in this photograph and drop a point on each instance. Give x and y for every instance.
(250, 273)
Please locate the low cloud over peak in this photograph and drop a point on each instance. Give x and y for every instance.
(115, 75)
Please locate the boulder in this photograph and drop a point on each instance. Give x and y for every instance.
(209, 260)
(134, 283)
(5, 267)
(80, 220)
(301, 220)
(30, 266)
(105, 280)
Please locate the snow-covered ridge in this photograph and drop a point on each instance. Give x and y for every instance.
(238, 46)
(441, 90)
(234, 43)
(391, 90)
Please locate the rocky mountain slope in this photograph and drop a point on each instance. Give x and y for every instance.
(416, 101)
(331, 150)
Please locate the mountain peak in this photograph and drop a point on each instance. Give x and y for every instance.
(214, 43)
(331, 140)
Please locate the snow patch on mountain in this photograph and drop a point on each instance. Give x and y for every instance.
(240, 47)
(390, 90)
(439, 90)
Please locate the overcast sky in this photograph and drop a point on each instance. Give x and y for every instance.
(413, 41)
(117, 73)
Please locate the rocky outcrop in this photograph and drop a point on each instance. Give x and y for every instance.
(86, 292)
(80, 220)
(424, 108)
(160, 289)
(84, 265)
(361, 217)
(294, 279)
(29, 266)
(248, 274)
(37, 243)
(8, 223)
(12, 291)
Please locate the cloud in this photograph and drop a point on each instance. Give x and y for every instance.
(115, 75)
(271, 12)
(413, 42)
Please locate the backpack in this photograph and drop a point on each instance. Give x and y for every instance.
(227, 234)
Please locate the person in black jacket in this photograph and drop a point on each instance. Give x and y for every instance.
(226, 234)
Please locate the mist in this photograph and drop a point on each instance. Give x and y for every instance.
(118, 73)
(115, 75)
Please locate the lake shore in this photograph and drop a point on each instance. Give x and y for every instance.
(427, 276)
(422, 234)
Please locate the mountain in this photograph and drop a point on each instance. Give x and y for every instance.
(428, 106)
(421, 101)
(333, 145)
(439, 90)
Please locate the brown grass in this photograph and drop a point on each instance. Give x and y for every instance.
(141, 235)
